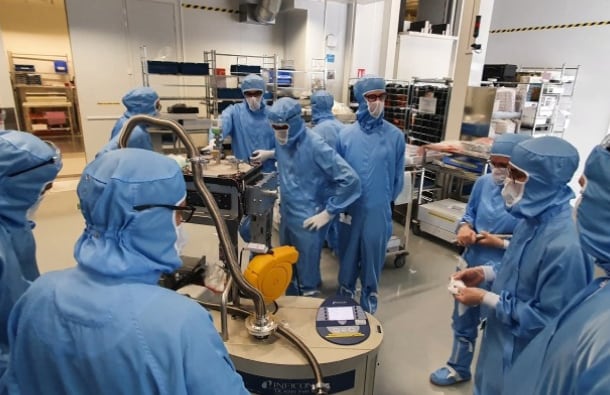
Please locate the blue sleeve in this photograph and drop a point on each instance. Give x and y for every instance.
(399, 176)
(227, 121)
(594, 379)
(470, 215)
(345, 182)
(140, 138)
(208, 367)
(563, 274)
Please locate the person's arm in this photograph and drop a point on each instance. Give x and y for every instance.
(207, 365)
(470, 215)
(226, 119)
(399, 178)
(594, 378)
(562, 274)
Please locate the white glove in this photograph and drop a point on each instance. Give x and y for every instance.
(209, 147)
(317, 221)
(455, 286)
(261, 155)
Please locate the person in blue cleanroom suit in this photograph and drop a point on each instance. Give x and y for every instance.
(316, 184)
(326, 126)
(543, 267)
(139, 101)
(247, 124)
(484, 213)
(105, 326)
(376, 150)
(571, 356)
(28, 166)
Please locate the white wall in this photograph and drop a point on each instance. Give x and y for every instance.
(588, 47)
(6, 92)
(336, 24)
(367, 40)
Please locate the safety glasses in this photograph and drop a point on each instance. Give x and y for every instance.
(54, 159)
(497, 164)
(279, 126)
(253, 93)
(185, 211)
(372, 97)
(516, 174)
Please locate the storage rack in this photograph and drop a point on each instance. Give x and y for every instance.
(44, 93)
(427, 125)
(218, 97)
(396, 103)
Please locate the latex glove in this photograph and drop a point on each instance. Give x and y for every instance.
(317, 221)
(455, 286)
(261, 155)
(210, 146)
(471, 277)
(470, 296)
(490, 240)
(466, 236)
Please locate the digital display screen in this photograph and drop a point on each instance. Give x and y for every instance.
(340, 313)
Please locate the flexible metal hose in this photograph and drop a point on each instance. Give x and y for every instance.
(319, 388)
(221, 227)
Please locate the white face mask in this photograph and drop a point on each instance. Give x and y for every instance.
(254, 103)
(375, 108)
(181, 238)
(32, 210)
(281, 135)
(499, 175)
(512, 192)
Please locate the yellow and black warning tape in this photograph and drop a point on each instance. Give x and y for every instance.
(550, 27)
(206, 8)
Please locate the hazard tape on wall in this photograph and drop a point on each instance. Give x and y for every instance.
(550, 27)
(206, 8)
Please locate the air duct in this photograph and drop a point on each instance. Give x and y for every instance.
(263, 12)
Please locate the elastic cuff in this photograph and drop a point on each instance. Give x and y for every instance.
(489, 272)
(491, 299)
(506, 244)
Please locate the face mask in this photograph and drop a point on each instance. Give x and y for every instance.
(512, 193)
(578, 201)
(254, 103)
(375, 108)
(32, 210)
(181, 238)
(499, 175)
(281, 135)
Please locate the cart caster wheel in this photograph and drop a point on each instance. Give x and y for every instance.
(400, 261)
(415, 228)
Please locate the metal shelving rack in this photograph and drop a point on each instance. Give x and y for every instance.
(428, 108)
(268, 70)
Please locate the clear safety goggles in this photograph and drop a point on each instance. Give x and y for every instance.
(517, 174)
(279, 126)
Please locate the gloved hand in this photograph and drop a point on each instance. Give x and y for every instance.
(466, 236)
(470, 296)
(209, 147)
(317, 221)
(261, 155)
(471, 277)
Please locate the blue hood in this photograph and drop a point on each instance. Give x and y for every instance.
(321, 107)
(504, 144)
(140, 101)
(364, 85)
(550, 163)
(287, 110)
(119, 241)
(593, 214)
(253, 82)
(27, 164)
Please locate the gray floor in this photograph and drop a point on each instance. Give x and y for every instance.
(415, 305)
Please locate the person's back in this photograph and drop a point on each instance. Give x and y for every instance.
(105, 327)
(27, 166)
(571, 355)
(322, 119)
(543, 268)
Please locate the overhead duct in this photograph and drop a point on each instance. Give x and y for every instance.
(263, 12)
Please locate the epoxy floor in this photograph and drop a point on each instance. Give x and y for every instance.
(415, 306)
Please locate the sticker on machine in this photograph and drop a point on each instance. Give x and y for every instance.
(261, 385)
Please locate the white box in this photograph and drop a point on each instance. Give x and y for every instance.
(441, 218)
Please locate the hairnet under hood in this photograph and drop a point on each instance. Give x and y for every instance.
(550, 163)
(287, 110)
(119, 241)
(364, 85)
(253, 82)
(505, 143)
(140, 101)
(593, 214)
(321, 106)
(22, 177)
